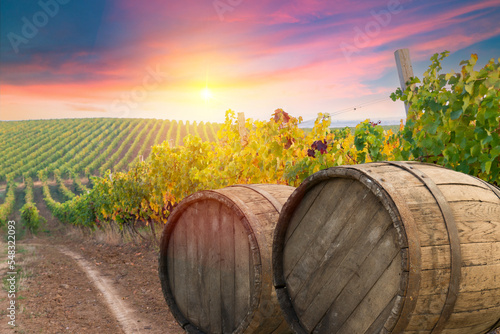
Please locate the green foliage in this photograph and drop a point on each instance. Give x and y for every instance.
(121, 197)
(454, 118)
(78, 211)
(30, 216)
(81, 188)
(369, 139)
(8, 205)
(67, 194)
(171, 132)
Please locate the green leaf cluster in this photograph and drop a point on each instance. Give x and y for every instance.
(454, 118)
(30, 216)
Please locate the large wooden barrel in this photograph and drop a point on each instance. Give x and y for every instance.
(389, 247)
(215, 260)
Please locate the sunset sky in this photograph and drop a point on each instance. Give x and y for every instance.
(124, 58)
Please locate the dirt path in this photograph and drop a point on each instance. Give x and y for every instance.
(120, 309)
(55, 296)
(87, 287)
(132, 272)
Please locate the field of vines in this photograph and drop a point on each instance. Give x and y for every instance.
(85, 146)
(139, 169)
(72, 150)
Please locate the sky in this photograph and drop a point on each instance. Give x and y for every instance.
(193, 60)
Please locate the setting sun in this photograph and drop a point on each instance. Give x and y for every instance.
(206, 94)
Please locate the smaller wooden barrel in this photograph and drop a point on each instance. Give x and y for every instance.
(389, 247)
(215, 260)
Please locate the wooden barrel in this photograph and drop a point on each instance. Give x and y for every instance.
(215, 260)
(393, 247)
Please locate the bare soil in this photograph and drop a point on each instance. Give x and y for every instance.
(83, 286)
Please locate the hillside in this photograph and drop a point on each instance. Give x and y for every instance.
(88, 146)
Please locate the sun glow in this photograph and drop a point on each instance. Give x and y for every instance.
(206, 94)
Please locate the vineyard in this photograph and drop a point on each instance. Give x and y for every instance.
(87, 146)
(124, 172)
(72, 151)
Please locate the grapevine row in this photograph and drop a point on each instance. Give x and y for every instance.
(85, 138)
(133, 148)
(183, 132)
(33, 162)
(195, 130)
(98, 155)
(171, 132)
(8, 205)
(146, 143)
(178, 134)
(204, 129)
(15, 133)
(66, 193)
(213, 133)
(124, 129)
(165, 125)
(30, 215)
(37, 142)
(79, 186)
(87, 153)
(111, 160)
(31, 146)
(53, 154)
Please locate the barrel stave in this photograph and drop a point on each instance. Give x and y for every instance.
(446, 238)
(215, 261)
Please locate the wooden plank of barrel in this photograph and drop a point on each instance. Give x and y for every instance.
(393, 247)
(215, 260)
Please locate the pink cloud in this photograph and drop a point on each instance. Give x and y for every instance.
(292, 46)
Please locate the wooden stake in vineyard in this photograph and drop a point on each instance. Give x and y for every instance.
(405, 70)
(242, 130)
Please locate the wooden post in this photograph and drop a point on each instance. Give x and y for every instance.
(405, 70)
(242, 129)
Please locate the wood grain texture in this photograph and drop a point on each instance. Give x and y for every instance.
(355, 291)
(318, 213)
(227, 265)
(215, 261)
(317, 255)
(338, 266)
(381, 294)
(243, 267)
(213, 275)
(329, 230)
